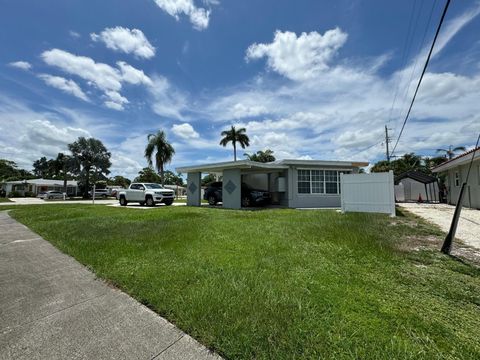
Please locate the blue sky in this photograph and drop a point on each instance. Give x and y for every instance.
(308, 79)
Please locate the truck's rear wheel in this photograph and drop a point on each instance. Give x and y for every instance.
(212, 200)
(123, 201)
(149, 201)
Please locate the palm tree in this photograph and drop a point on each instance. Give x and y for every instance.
(233, 135)
(261, 156)
(450, 153)
(164, 152)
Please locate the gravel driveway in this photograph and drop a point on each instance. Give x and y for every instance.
(468, 228)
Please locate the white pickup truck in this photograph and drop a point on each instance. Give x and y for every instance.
(146, 193)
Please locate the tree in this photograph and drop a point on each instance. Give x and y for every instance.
(66, 164)
(91, 158)
(207, 179)
(450, 153)
(261, 156)
(41, 167)
(119, 181)
(147, 175)
(407, 162)
(235, 136)
(164, 152)
(172, 179)
(9, 171)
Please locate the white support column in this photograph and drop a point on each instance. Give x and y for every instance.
(232, 189)
(194, 189)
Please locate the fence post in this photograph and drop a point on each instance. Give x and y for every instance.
(391, 187)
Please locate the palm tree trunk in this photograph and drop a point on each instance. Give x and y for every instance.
(87, 182)
(234, 151)
(65, 178)
(161, 175)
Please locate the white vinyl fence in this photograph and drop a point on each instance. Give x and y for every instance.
(368, 193)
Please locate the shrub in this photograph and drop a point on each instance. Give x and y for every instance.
(14, 194)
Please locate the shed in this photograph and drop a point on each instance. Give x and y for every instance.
(412, 185)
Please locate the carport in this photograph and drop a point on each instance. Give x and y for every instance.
(269, 176)
(293, 183)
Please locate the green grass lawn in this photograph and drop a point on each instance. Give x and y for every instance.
(2, 199)
(280, 284)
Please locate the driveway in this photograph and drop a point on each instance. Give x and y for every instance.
(468, 229)
(52, 307)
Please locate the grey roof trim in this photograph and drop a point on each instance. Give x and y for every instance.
(276, 165)
(323, 163)
(241, 164)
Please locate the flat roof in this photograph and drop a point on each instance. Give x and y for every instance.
(47, 182)
(275, 165)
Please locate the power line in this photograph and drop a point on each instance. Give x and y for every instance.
(405, 52)
(409, 82)
(423, 73)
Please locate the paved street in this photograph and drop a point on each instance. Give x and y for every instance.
(52, 307)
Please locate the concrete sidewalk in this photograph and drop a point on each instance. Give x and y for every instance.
(52, 307)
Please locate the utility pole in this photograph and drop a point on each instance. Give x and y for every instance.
(387, 140)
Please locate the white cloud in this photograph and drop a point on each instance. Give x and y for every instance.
(240, 110)
(23, 65)
(66, 85)
(74, 34)
(167, 101)
(299, 58)
(185, 131)
(199, 17)
(130, 41)
(102, 76)
(132, 75)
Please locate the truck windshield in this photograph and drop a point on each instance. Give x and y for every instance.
(153, 186)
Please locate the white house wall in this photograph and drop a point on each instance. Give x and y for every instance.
(472, 192)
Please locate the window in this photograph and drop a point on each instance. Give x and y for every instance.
(304, 181)
(331, 182)
(319, 181)
(457, 178)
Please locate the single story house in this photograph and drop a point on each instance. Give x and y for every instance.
(36, 186)
(415, 185)
(292, 183)
(455, 171)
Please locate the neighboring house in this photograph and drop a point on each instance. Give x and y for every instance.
(293, 183)
(413, 185)
(36, 186)
(179, 190)
(455, 171)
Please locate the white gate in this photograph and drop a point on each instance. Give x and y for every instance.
(368, 193)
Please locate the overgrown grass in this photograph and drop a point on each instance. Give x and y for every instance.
(279, 284)
(2, 199)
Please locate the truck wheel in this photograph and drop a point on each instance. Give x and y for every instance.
(123, 201)
(149, 201)
(168, 202)
(212, 200)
